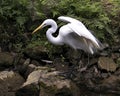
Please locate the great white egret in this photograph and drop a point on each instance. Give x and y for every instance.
(74, 34)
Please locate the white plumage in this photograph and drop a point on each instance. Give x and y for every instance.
(74, 34)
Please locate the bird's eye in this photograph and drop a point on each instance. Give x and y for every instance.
(44, 25)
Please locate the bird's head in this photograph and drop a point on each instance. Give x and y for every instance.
(44, 24)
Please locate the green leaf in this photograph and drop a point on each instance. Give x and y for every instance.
(21, 20)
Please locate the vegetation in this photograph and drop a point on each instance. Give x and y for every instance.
(13, 17)
(20, 17)
(97, 15)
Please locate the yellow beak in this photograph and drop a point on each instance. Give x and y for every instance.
(38, 28)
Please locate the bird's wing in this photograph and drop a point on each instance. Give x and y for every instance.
(67, 19)
(80, 29)
(70, 20)
(77, 27)
(80, 42)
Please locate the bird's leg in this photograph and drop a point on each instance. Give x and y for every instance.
(86, 66)
(75, 59)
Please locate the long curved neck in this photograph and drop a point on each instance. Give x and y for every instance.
(51, 38)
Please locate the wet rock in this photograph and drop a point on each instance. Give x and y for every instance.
(107, 64)
(47, 82)
(36, 53)
(6, 59)
(9, 82)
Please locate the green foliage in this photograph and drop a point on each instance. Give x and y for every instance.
(13, 17)
(11, 10)
(95, 14)
(100, 16)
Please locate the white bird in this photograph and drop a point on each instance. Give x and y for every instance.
(74, 34)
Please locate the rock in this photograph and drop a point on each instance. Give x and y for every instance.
(117, 72)
(22, 68)
(74, 56)
(47, 82)
(10, 81)
(106, 45)
(104, 53)
(93, 61)
(25, 65)
(35, 62)
(36, 53)
(0, 49)
(31, 86)
(111, 84)
(116, 48)
(60, 65)
(6, 59)
(115, 55)
(107, 64)
(118, 61)
(30, 69)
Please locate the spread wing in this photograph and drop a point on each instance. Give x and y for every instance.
(80, 36)
(70, 20)
(83, 32)
(80, 42)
